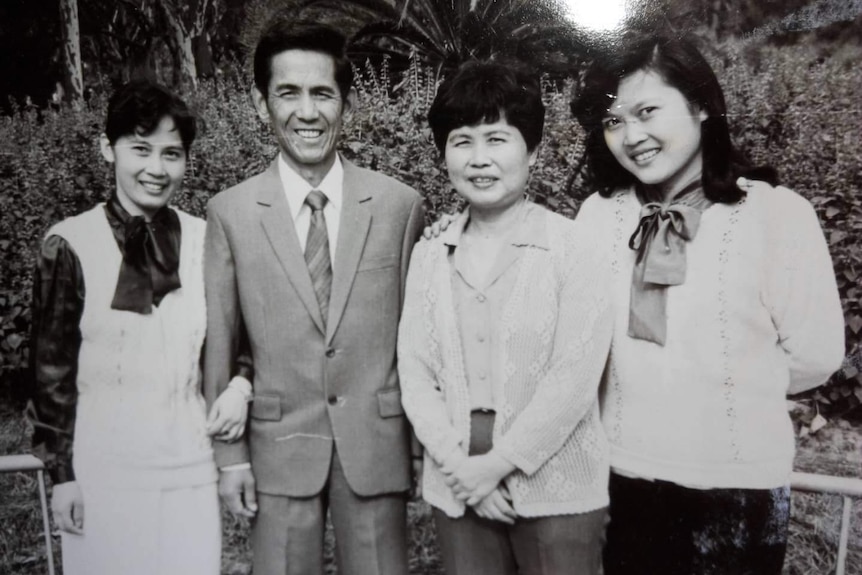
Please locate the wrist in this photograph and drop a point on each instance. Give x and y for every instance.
(502, 466)
(242, 386)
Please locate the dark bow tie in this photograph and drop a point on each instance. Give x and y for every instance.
(150, 268)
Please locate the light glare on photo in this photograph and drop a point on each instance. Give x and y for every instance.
(599, 16)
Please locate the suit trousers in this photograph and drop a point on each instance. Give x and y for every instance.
(560, 544)
(370, 532)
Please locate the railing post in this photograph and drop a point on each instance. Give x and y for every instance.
(16, 463)
(844, 486)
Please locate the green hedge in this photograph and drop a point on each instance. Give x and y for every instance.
(790, 107)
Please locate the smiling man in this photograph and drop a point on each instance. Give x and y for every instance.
(307, 261)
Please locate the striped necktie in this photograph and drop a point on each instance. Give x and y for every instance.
(317, 252)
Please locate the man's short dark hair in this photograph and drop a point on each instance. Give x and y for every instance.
(138, 106)
(485, 92)
(282, 34)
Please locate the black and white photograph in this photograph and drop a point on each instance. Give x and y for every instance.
(431, 287)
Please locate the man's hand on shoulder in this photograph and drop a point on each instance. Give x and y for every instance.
(236, 487)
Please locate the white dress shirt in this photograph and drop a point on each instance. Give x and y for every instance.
(296, 189)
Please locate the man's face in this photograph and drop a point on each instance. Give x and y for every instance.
(149, 168)
(305, 109)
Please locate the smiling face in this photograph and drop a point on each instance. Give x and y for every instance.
(654, 133)
(305, 109)
(149, 168)
(489, 165)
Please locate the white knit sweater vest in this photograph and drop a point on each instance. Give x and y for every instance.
(141, 418)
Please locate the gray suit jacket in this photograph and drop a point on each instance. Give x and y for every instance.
(314, 390)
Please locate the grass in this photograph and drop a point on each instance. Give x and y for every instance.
(814, 529)
(834, 450)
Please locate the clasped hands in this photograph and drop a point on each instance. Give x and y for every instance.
(477, 481)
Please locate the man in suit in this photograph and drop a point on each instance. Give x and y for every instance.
(307, 261)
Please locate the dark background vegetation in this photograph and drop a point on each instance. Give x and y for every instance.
(789, 68)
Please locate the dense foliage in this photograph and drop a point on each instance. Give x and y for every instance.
(791, 108)
(444, 33)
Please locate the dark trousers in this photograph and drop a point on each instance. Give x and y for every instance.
(370, 532)
(661, 527)
(560, 544)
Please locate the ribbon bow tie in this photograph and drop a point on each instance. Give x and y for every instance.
(660, 241)
(150, 262)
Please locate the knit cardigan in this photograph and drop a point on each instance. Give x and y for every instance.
(757, 317)
(554, 336)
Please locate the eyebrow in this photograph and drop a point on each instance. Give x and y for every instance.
(138, 140)
(499, 130)
(637, 104)
(315, 88)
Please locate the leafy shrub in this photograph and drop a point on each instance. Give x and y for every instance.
(791, 107)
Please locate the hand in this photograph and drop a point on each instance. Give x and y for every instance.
(478, 476)
(67, 505)
(236, 488)
(227, 417)
(497, 506)
(438, 227)
(417, 464)
(453, 461)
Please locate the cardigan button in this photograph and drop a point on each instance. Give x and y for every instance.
(332, 399)
(330, 352)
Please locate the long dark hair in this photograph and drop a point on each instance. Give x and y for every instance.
(681, 65)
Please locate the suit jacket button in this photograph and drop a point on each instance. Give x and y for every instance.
(330, 352)
(332, 399)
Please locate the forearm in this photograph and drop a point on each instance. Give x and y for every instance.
(224, 326)
(58, 302)
(227, 351)
(803, 298)
(419, 368)
(569, 387)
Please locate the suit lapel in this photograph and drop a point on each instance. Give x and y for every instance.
(352, 233)
(279, 229)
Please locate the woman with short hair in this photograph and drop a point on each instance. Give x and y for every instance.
(503, 338)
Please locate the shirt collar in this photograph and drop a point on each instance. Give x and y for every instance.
(530, 230)
(296, 188)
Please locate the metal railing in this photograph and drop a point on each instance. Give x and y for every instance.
(846, 487)
(811, 482)
(24, 463)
